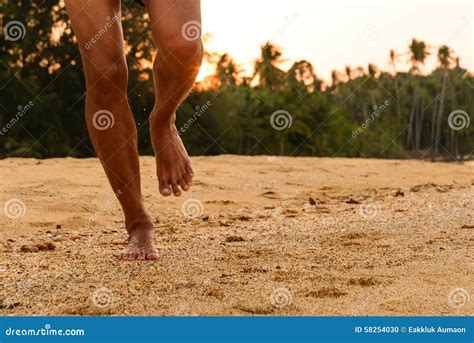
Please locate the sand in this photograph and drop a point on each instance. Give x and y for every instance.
(254, 236)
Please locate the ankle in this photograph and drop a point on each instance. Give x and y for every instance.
(162, 122)
(141, 221)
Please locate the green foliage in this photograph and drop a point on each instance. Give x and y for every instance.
(42, 99)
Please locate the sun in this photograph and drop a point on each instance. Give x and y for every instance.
(207, 69)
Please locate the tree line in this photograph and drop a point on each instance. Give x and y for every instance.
(362, 111)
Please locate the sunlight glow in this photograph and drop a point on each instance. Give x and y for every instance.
(332, 34)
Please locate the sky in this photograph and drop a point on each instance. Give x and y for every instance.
(334, 33)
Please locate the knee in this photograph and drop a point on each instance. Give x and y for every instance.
(107, 76)
(184, 53)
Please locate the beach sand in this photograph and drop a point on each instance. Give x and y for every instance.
(255, 236)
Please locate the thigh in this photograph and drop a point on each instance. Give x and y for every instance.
(174, 20)
(98, 30)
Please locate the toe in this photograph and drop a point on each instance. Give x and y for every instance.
(126, 256)
(141, 256)
(189, 170)
(183, 184)
(188, 178)
(165, 188)
(152, 256)
(176, 190)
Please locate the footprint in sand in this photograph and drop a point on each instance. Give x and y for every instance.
(363, 281)
(327, 292)
(270, 195)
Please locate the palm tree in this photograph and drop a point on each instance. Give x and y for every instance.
(267, 66)
(372, 70)
(335, 80)
(348, 73)
(444, 61)
(226, 71)
(444, 56)
(418, 54)
(371, 84)
(303, 72)
(393, 62)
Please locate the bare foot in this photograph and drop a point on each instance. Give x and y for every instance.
(173, 165)
(141, 243)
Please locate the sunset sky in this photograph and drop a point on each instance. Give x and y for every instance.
(332, 34)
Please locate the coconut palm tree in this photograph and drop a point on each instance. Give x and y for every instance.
(372, 70)
(393, 63)
(444, 62)
(418, 54)
(348, 73)
(266, 67)
(227, 71)
(303, 72)
(335, 80)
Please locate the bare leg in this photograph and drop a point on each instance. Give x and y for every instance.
(176, 29)
(109, 120)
